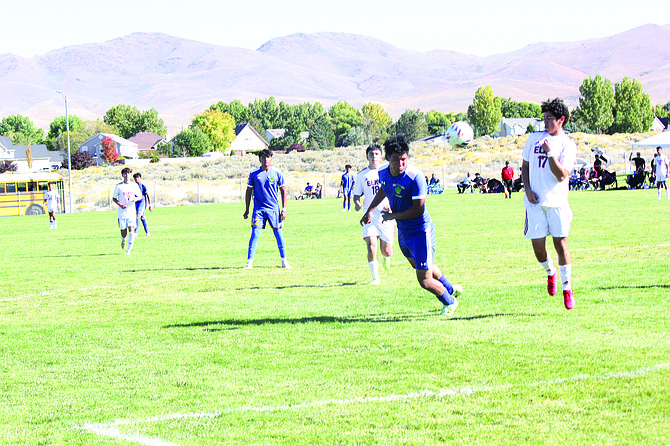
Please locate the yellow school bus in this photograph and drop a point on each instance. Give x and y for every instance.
(23, 193)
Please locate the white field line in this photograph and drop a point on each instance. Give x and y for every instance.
(111, 429)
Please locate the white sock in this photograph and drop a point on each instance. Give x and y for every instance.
(55, 225)
(131, 239)
(548, 266)
(374, 269)
(51, 225)
(659, 193)
(566, 276)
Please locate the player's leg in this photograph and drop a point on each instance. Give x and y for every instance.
(124, 232)
(253, 241)
(281, 244)
(131, 237)
(537, 229)
(145, 225)
(371, 245)
(560, 220)
(386, 231)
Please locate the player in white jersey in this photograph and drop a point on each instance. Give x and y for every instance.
(126, 193)
(661, 166)
(52, 202)
(367, 185)
(548, 159)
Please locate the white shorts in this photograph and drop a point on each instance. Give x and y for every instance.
(385, 230)
(661, 178)
(543, 221)
(125, 223)
(52, 209)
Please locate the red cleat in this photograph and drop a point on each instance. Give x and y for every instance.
(568, 299)
(552, 284)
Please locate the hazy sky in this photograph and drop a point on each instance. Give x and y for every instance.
(479, 27)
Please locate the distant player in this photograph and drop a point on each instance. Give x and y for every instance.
(52, 202)
(548, 159)
(661, 168)
(406, 189)
(367, 185)
(126, 193)
(347, 187)
(508, 179)
(142, 205)
(265, 184)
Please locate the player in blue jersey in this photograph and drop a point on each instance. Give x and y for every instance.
(266, 184)
(347, 187)
(142, 205)
(405, 187)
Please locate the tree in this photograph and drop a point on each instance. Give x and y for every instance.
(128, 121)
(662, 110)
(484, 115)
(357, 136)
(513, 109)
(79, 161)
(413, 124)
(219, 128)
(192, 142)
(265, 114)
(321, 134)
(21, 130)
(236, 109)
(377, 121)
(437, 122)
(596, 103)
(343, 117)
(58, 127)
(632, 110)
(109, 153)
(8, 166)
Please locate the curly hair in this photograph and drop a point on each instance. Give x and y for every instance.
(557, 108)
(396, 144)
(267, 153)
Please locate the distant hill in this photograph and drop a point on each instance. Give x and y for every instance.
(180, 77)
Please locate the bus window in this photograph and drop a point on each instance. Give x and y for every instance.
(11, 188)
(21, 186)
(44, 185)
(2, 188)
(32, 186)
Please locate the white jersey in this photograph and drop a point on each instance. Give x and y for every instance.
(127, 194)
(367, 185)
(661, 166)
(52, 199)
(550, 192)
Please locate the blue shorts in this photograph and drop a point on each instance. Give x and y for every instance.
(419, 246)
(347, 192)
(140, 208)
(261, 216)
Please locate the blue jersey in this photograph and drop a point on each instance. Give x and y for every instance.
(347, 182)
(401, 191)
(266, 188)
(142, 204)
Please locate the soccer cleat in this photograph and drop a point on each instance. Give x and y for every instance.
(127, 253)
(569, 299)
(448, 310)
(375, 282)
(248, 266)
(387, 262)
(123, 243)
(458, 290)
(286, 265)
(344, 210)
(552, 284)
(148, 234)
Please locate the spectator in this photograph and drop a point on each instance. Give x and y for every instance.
(479, 183)
(465, 184)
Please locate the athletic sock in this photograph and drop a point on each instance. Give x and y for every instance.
(253, 241)
(374, 269)
(146, 227)
(281, 244)
(450, 288)
(446, 298)
(131, 239)
(548, 266)
(566, 276)
(137, 224)
(56, 223)
(51, 225)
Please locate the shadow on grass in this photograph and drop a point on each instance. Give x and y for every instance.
(372, 318)
(288, 287)
(203, 268)
(632, 287)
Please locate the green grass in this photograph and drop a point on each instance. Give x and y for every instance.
(310, 355)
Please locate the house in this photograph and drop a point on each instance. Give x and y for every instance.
(146, 141)
(659, 124)
(518, 126)
(247, 139)
(433, 139)
(279, 133)
(124, 148)
(42, 159)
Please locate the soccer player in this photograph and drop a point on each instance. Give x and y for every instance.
(508, 179)
(265, 184)
(406, 189)
(142, 205)
(52, 201)
(548, 159)
(125, 195)
(346, 187)
(661, 167)
(367, 185)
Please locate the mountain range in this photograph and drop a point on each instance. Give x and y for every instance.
(180, 77)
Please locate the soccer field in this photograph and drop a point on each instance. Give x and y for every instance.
(177, 345)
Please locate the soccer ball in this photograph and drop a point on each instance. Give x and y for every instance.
(459, 134)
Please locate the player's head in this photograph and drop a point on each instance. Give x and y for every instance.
(556, 115)
(396, 150)
(347, 167)
(638, 154)
(659, 150)
(125, 173)
(265, 157)
(506, 163)
(374, 155)
(138, 177)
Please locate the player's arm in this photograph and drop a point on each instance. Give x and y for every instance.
(357, 202)
(417, 210)
(560, 172)
(525, 175)
(247, 201)
(367, 215)
(282, 193)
